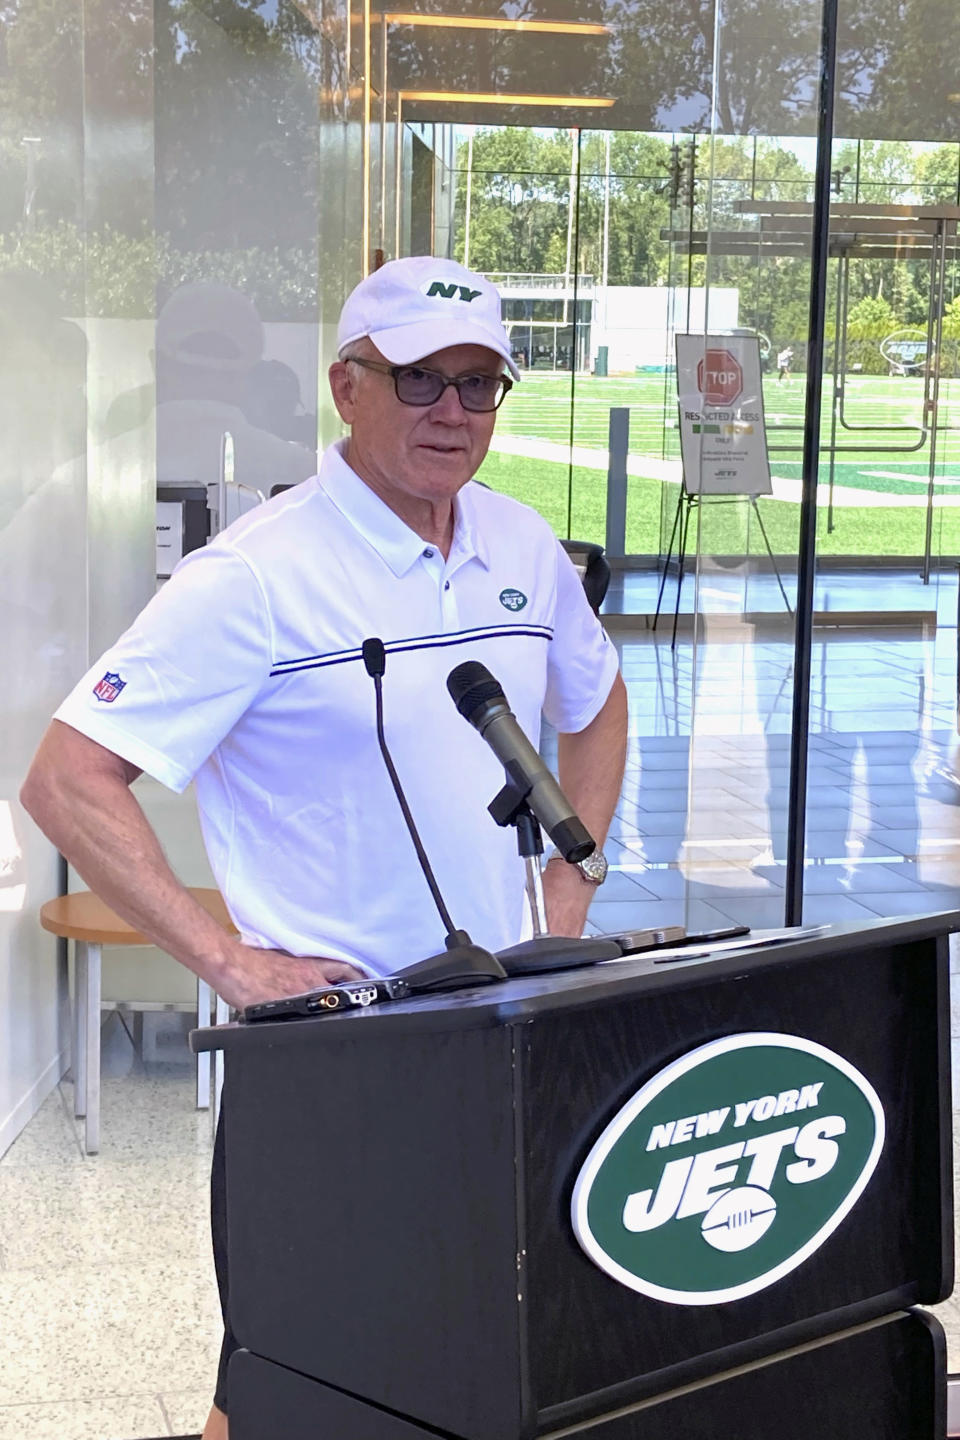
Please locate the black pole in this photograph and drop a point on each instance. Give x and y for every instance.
(63, 886)
(573, 346)
(807, 558)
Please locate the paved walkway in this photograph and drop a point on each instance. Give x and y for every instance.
(651, 468)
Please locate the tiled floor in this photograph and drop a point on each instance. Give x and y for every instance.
(108, 1308)
(726, 587)
(700, 832)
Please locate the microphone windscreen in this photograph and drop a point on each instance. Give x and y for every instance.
(374, 657)
(471, 685)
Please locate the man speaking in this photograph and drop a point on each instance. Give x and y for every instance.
(245, 674)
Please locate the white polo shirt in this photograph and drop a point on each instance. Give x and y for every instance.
(245, 673)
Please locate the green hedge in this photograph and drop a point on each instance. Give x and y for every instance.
(106, 273)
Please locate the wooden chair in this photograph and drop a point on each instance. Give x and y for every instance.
(86, 920)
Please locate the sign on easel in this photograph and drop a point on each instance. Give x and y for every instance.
(723, 434)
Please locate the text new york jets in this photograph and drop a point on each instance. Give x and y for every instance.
(711, 1202)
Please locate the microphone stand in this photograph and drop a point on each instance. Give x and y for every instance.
(510, 807)
(545, 952)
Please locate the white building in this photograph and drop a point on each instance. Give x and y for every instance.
(635, 323)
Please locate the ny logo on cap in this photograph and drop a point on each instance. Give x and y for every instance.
(449, 292)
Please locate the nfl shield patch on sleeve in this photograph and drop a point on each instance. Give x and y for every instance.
(109, 687)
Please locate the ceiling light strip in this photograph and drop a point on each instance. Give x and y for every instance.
(490, 22)
(461, 97)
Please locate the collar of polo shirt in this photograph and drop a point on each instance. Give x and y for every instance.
(398, 545)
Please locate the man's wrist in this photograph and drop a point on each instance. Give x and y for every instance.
(590, 872)
(221, 961)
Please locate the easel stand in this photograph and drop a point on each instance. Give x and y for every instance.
(681, 521)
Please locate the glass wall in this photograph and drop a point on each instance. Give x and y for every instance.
(684, 205)
(189, 188)
(181, 213)
(43, 404)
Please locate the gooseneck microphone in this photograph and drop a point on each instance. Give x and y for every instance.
(375, 660)
(480, 699)
(462, 963)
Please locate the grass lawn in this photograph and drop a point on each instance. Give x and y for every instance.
(888, 464)
(727, 528)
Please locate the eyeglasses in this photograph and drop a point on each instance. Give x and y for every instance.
(416, 386)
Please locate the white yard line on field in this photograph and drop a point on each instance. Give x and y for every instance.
(913, 479)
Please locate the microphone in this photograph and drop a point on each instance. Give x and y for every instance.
(480, 699)
(462, 962)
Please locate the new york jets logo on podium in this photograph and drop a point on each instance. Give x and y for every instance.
(728, 1169)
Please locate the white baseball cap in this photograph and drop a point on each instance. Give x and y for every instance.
(410, 308)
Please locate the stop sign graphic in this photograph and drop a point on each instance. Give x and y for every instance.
(719, 377)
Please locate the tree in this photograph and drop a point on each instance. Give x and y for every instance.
(521, 203)
(951, 320)
(41, 100)
(871, 319)
(639, 208)
(774, 288)
(938, 175)
(520, 198)
(880, 172)
(662, 64)
(236, 125)
(911, 91)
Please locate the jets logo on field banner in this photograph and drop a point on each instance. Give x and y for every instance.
(109, 687)
(728, 1169)
(512, 599)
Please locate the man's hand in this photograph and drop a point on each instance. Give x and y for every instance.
(257, 975)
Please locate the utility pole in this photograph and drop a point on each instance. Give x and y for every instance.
(31, 144)
(570, 205)
(466, 219)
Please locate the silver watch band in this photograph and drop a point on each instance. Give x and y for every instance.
(593, 870)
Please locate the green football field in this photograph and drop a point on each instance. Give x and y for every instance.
(880, 476)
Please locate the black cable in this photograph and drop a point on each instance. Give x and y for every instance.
(401, 800)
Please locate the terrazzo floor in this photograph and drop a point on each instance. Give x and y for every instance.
(108, 1307)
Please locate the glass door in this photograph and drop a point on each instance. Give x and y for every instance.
(517, 220)
(623, 209)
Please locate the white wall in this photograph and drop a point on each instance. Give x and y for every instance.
(76, 564)
(77, 496)
(77, 549)
(43, 638)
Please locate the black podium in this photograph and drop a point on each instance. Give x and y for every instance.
(434, 1230)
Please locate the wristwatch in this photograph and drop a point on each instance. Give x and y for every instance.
(593, 869)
